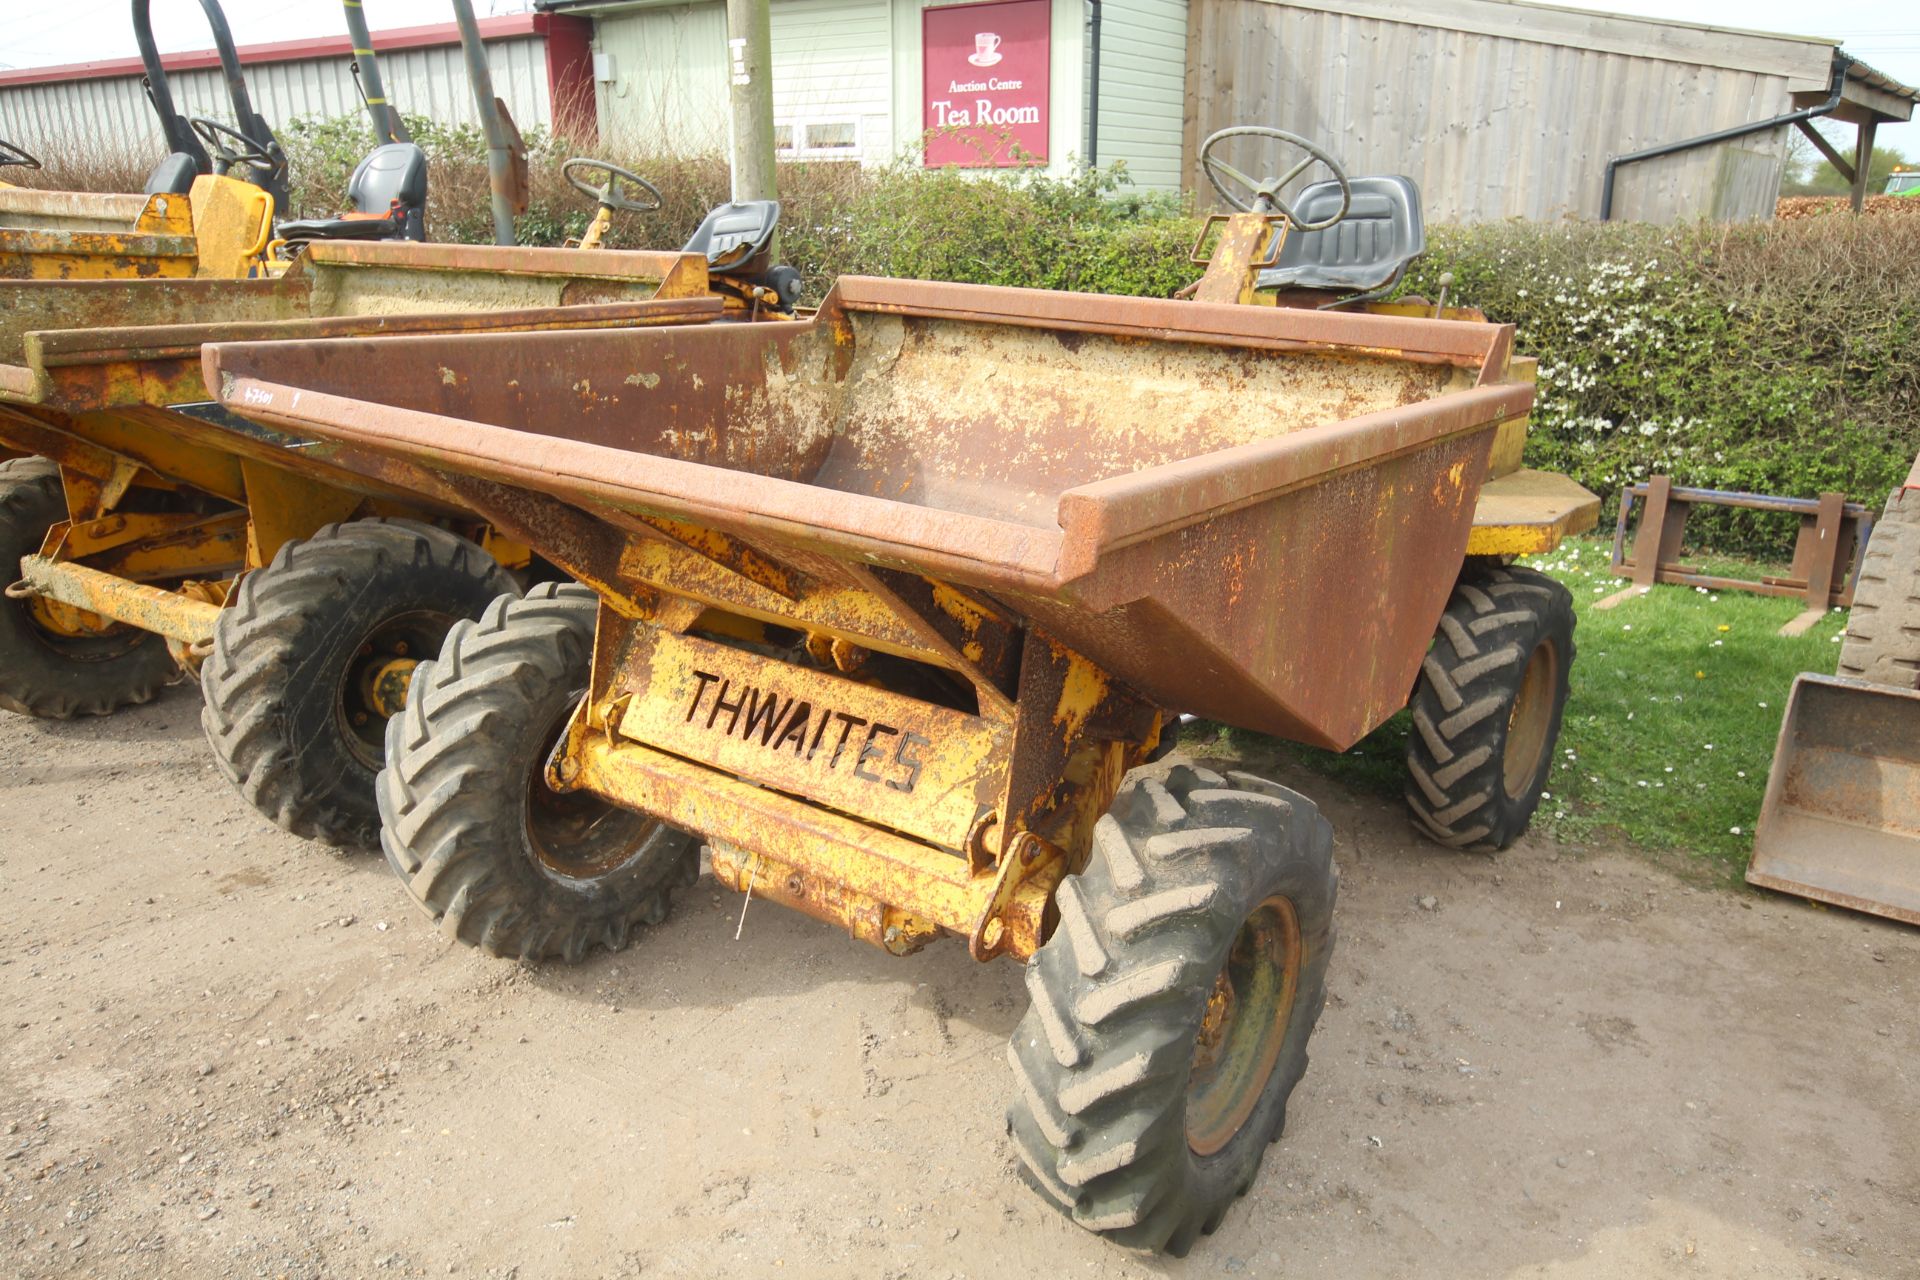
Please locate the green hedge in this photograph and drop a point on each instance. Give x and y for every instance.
(1776, 357)
(1779, 357)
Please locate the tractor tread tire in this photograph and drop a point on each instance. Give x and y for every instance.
(453, 794)
(36, 677)
(1462, 704)
(1102, 1057)
(279, 653)
(1882, 642)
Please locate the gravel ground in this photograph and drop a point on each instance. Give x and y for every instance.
(226, 1052)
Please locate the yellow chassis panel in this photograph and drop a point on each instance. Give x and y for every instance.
(883, 888)
(1530, 512)
(894, 761)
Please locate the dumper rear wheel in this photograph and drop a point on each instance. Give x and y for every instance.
(49, 668)
(500, 860)
(1883, 631)
(1487, 708)
(1172, 1006)
(314, 653)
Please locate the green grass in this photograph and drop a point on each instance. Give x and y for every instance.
(1670, 728)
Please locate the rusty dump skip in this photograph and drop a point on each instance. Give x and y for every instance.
(1254, 514)
(24, 208)
(77, 345)
(1841, 821)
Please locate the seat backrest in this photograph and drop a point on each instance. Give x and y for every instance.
(736, 237)
(396, 171)
(173, 176)
(1366, 250)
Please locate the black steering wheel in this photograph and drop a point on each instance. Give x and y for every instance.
(645, 197)
(1264, 196)
(12, 155)
(244, 151)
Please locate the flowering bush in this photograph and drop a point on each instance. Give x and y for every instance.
(1776, 358)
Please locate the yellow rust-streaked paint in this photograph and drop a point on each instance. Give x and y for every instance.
(819, 861)
(148, 608)
(284, 505)
(1247, 242)
(1530, 512)
(898, 762)
(220, 230)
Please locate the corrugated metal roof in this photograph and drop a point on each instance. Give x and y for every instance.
(427, 37)
(112, 111)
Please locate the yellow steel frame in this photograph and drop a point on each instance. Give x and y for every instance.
(98, 568)
(918, 765)
(169, 572)
(219, 230)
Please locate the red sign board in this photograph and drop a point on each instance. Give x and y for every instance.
(984, 83)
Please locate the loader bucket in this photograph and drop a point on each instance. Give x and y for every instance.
(1841, 820)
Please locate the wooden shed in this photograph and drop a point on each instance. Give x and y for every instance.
(1501, 108)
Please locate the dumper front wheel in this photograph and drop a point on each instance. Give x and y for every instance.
(57, 662)
(316, 651)
(1487, 708)
(1882, 643)
(494, 855)
(1173, 1004)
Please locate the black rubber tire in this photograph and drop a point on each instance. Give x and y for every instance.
(1882, 643)
(462, 796)
(1103, 1057)
(51, 676)
(285, 648)
(1458, 790)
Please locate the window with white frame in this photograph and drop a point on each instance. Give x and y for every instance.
(817, 138)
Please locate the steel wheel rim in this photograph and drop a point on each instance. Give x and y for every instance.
(1530, 721)
(405, 636)
(1236, 1048)
(576, 835)
(105, 644)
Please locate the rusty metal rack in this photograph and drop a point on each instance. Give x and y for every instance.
(1827, 549)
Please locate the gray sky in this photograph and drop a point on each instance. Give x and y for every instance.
(1885, 33)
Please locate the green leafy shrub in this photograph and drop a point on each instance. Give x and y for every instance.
(1089, 231)
(1775, 357)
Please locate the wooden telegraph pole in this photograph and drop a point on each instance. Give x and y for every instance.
(750, 55)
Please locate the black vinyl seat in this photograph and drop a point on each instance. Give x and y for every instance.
(737, 242)
(389, 194)
(173, 176)
(1368, 250)
(737, 237)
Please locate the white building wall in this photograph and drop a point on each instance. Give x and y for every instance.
(831, 64)
(113, 111)
(669, 91)
(1143, 89)
(834, 61)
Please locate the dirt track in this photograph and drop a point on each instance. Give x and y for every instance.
(225, 1052)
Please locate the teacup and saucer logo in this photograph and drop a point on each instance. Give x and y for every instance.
(984, 82)
(986, 49)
